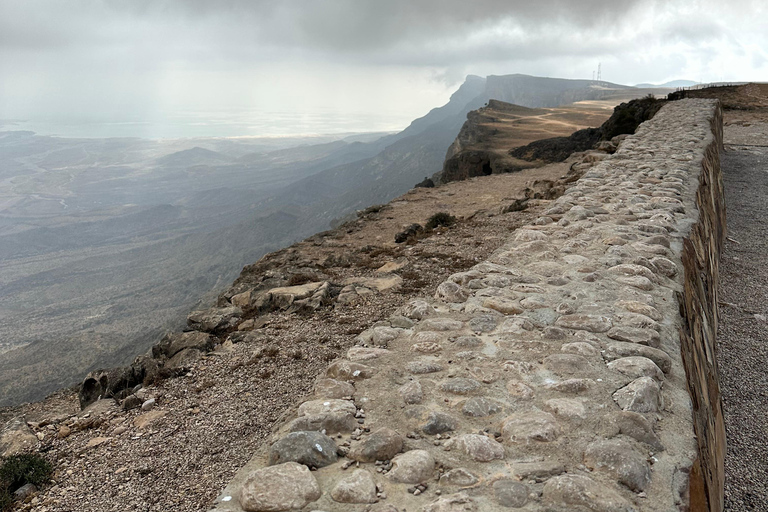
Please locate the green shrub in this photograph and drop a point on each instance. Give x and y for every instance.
(5, 498)
(26, 468)
(440, 219)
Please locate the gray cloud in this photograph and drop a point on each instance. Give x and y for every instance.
(142, 54)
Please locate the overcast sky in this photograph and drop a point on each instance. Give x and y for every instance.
(392, 59)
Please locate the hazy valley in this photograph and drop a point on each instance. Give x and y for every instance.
(107, 243)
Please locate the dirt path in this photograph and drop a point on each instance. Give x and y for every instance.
(743, 330)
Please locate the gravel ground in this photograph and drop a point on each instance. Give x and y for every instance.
(743, 328)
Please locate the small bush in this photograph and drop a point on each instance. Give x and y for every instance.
(440, 219)
(19, 470)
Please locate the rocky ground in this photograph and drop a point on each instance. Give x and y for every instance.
(179, 452)
(547, 377)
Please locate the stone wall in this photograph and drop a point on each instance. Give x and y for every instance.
(698, 306)
(572, 370)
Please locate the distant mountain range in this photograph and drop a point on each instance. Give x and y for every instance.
(668, 85)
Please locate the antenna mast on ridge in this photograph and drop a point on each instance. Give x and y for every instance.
(599, 73)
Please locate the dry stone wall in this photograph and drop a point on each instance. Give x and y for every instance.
(548, 377)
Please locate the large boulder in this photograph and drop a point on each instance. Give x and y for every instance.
(173, 343)
(108, 383)
(214, 320)
(16, 437)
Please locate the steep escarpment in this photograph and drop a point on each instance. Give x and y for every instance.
(502, 137)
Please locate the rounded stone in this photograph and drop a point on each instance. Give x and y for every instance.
(527, 427)
(332, 406)
(279, 488)
(418, 309)
(332, 388)
(450, 292)
(438, 423)
(619, 459)
(568, 408)
(503, 305)
(637, 366)
(479, 407)
(591, 323)
(308, 448)
(566, 364)
(480, 448)
(412, 467)
(459, 477)
(518, 389)
(426, 347)
(411, 392)
(419, 367)
(640, 395)
(459, 502)
(460, 385)
(483, 323)
(569, 491)
(639, 335)
(382, 444)
(510, 493)
(348, 370)
(359, 487)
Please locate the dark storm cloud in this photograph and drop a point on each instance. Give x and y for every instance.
(341, 28)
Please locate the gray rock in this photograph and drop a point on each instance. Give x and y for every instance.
(16, 437)
(639, 335)
(418, 309)
(637, 366)
(308, 448)
(347, 370)
(567, 364)
(131, 402)
(527, 427)
(173, 343)
(619, 459)
(459, 477)
(383, 444)
(24, 492)
(571, 386)
(510, 493)
(479, 407)
(359, 487)
(451, 292)
(440, 324)
(148, 405)
(215, 319)
(483, 323)
(467, 341)
(279, 488)
(411, 392)
(480, 448)
(438, 423)
(460, 385)
(454, 503)
(633, 425)
(591, 323)
(419, 367)
(640, 395)
(619, 349)
(568, 491)
(412, 467)
(184, 360)
(568, 408)
(332, 388)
